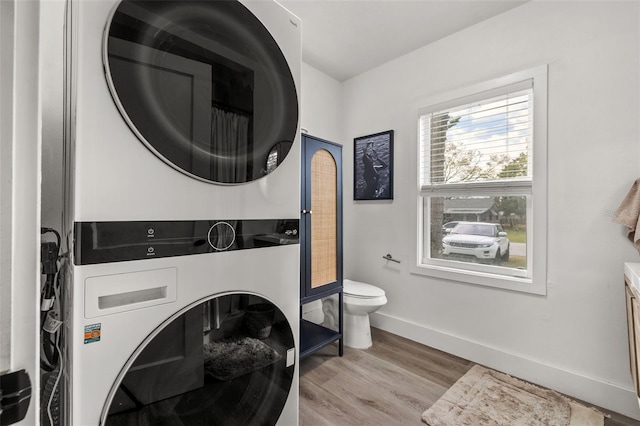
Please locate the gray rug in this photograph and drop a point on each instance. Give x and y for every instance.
(484, 397)
(232, 358)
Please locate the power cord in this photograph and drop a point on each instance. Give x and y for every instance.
(50, 324)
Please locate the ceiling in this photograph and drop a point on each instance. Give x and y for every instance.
(344, 38)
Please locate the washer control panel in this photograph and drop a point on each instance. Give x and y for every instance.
(106, 242)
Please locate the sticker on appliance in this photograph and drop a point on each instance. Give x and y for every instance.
(92, 333)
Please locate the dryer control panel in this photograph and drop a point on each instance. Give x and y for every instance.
(107, 242)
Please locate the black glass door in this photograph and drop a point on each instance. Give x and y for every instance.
(204, 85)
(226, 361)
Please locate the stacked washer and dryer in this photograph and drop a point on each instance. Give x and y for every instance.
(181, 297)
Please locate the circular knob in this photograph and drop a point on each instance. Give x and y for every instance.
(221, 236)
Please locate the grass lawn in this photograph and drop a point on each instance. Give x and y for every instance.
(517, 236)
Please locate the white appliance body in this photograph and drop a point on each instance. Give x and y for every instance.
(114, 176)
(97, 367)
(124, 282)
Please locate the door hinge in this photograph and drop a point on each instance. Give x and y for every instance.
(15, 395)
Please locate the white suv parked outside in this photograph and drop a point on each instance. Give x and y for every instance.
(480, 240)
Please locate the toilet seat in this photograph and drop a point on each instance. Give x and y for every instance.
(360, 290)
(365, 300)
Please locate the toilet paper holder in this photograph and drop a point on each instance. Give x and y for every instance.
(389, 257)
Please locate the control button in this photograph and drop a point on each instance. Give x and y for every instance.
(151, 251)
(151, 232)
(221, 236)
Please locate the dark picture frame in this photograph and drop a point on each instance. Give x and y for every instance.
(373, 166)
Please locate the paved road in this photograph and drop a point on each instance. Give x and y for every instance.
(518, 249)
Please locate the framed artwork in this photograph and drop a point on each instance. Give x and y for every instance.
(373, 167)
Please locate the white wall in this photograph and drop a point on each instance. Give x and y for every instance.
(574, 338)
(321, 105)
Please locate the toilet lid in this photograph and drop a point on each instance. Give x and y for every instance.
(358, 289)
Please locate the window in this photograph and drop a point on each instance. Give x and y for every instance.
(482, 184)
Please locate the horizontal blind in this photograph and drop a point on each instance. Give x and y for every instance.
(479, 140)
(482, 188)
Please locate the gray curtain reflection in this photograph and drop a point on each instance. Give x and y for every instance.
(230, 137)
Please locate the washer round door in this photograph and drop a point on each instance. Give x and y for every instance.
(226, 361)
(203, 85)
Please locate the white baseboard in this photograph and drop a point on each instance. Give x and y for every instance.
(606, 395)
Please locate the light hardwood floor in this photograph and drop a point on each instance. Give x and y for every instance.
(390, 384)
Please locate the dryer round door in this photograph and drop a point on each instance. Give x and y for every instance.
(227, 360)
(204, 85)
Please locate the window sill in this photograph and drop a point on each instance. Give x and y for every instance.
(513, 283)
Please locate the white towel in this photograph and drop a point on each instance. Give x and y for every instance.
(628, 214)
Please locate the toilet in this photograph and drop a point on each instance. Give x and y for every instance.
(360, 300)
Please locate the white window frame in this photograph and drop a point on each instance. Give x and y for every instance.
(533, 280)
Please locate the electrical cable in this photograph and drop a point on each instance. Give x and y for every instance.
(50, 295)
(57, 234)
(55, 384)
(50, 336)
